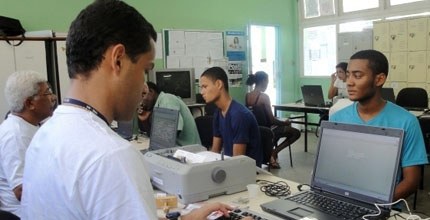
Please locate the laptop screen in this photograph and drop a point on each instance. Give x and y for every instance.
(358, 161)
(313, 95)
(164, 128)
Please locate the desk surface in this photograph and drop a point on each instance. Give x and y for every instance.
(142, 142)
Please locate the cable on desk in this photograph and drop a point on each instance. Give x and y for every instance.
(410, 217)
(278, 189)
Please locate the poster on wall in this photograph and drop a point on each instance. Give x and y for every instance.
(236, 53)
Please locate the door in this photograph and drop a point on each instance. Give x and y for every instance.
(264, 55)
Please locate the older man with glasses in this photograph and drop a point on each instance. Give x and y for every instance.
(30, 101)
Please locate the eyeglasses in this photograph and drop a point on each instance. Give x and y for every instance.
(46, 93)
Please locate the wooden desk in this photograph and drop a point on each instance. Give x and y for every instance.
(300, 107)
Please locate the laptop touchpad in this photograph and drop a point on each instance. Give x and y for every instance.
(300, 212)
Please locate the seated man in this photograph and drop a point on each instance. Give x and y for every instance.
(31, 101)
(366, 74)
(153, 97)
(236, 130)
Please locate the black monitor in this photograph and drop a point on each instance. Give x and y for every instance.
(179, 82)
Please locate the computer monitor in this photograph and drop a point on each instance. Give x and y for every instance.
(179, 82)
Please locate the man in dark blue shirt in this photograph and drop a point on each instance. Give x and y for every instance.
(235, 128)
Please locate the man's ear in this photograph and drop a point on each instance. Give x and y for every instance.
(380, 79)
(28, 104)
(117, 55)
(219, 84)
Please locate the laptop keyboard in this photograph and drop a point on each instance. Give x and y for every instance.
(241, 213)
(331, 206)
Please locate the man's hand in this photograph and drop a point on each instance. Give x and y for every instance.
(333, 77)
(203, 212)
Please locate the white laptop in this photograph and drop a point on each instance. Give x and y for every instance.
(355, 166)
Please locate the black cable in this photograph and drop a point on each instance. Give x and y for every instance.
(278, 189)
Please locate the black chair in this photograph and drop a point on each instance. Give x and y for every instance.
(266, 136)
(263, 121)
(205, 129)
(412, 98)
(4, 215)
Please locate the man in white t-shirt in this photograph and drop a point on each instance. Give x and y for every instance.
(77, 167)
(31, 101)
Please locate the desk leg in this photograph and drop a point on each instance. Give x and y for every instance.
(306, 132)
(275, 111)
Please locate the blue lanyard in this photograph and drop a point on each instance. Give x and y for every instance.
(86, 106)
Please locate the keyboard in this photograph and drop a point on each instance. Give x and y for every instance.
(241, 213)
(331, 206)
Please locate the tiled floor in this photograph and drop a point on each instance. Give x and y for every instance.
(303, 165)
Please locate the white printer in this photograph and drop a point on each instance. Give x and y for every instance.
(194, 182)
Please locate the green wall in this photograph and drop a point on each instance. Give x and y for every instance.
(222, 15)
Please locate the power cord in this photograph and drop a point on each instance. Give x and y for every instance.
(278, 189)
(410, 217)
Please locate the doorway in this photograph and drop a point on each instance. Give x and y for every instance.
(264, 55)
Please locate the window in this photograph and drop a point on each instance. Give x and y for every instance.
(354, 5)
(356, 26)
(319, 50)
(317, 8)
(399, 2)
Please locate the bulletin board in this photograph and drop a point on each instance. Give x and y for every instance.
(198, 49)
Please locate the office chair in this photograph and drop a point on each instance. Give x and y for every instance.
(264, 121)
(205, 129)
(4, 215)
(412, 98)
(266, 136)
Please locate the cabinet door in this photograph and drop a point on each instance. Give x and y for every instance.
(428, 33)
(417, 34)
(398, 66)
(417, 66)
(63, 75)
(428, 67)
(7, 64)
(363, 40)
(398, 35)
(345, 46)
(31, 55)
(381, 35)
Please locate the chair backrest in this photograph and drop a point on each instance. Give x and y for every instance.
(412, 98)
(205, 129)
(4, 215)
(266, 135)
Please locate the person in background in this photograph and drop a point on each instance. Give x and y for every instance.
(337, 88)
(77, 167)
(153, 97)
(235, 127)
(30, 101)
(366, 74)
(259, 102)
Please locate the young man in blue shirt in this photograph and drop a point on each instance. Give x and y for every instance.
(366, 74)
(236, 130)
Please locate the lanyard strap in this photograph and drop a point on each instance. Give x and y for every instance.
(85, 106)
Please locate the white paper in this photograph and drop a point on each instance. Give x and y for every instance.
(173, 61)
(159, 47)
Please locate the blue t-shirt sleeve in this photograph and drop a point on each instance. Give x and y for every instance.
(413, 151)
